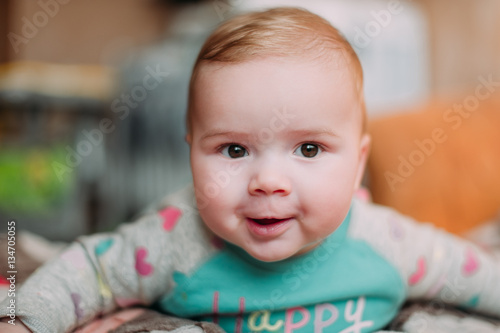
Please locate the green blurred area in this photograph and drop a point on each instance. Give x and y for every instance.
(28, 183)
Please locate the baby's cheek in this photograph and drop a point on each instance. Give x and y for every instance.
(328, 209)
(218, 223)
(328, 192)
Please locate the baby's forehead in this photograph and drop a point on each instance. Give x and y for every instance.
(337, 63)
(286, 72)
(278, 81)
(296, 83)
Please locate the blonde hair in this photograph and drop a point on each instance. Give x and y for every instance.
(283, 32)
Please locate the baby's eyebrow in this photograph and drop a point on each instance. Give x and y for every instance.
(313, 132)
(288, 132)
(219, 132)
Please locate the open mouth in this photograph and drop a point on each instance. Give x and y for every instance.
(269, 221)
(268, 227)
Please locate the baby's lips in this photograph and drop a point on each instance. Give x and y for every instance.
(269, 220)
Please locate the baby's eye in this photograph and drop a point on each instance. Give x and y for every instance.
(308, 150)
(234, 151)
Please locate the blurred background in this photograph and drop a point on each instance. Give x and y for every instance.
(93, 93)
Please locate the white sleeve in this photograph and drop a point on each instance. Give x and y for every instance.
(434, 265)
(100, 273)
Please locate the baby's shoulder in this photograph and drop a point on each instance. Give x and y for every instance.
(394, 236)
(173, 220)
(173, 227)
(179, 207)
(369, 220)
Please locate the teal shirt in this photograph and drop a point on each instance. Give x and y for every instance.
(343, 285)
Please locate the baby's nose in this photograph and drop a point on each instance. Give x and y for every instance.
(269, 180)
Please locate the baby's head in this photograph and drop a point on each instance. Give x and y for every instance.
(276, 126)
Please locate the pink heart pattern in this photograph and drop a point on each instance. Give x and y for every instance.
(170, 216)
(419, 273)
(141, 265)
(471, 263)
(76, 298)
(75, 257)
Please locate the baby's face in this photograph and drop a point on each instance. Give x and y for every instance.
(276, 153)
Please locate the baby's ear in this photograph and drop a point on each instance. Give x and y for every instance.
(364, 151)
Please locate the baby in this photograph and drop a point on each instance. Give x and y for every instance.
(269, 237)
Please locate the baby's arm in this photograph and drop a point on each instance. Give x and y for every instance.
(434, 265)
(97, 274)
(450, 270)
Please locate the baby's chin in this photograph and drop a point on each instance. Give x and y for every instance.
(270, 258)
(270, 255)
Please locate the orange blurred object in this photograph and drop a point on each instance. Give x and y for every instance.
(440, 163)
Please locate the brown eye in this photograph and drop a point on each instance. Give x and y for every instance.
(308, 150)
(234, 151)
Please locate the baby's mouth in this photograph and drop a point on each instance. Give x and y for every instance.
(269, 221)
(268, 227)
